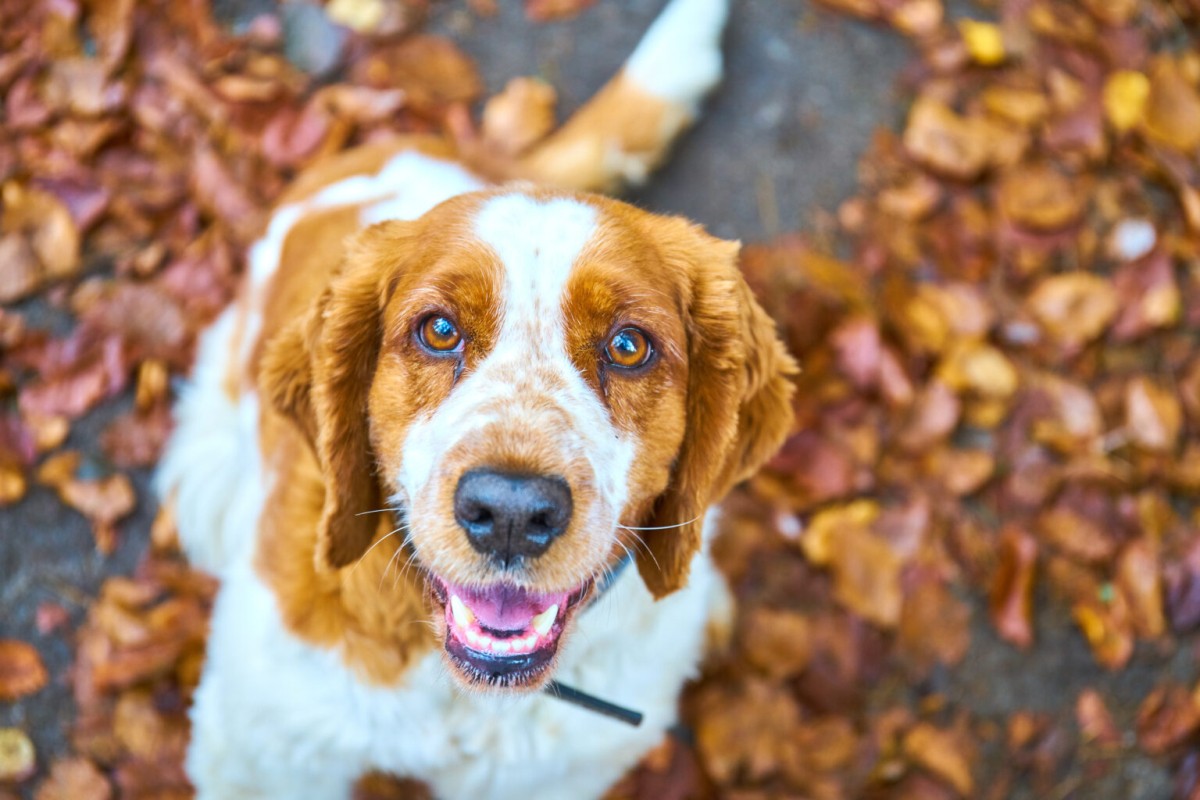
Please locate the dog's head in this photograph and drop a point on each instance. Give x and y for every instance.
(542, 383)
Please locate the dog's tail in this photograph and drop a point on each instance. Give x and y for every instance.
(626, 130)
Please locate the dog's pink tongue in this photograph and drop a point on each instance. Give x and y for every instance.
(506, 608)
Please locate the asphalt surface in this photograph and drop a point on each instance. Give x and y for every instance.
(777, 146)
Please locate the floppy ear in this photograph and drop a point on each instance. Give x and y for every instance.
(318, 371)
(738, 403)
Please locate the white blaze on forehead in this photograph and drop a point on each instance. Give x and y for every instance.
(537, 244)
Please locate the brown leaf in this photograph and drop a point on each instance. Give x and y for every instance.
(47, 225)
(21, 670)
(74, 779)
(548, 10)
(1167, 717)
(1074, 308)
(1011, 601)
(1040, 197)
(943, 753)
(1172, 107)
(220, 194)
(866, 576)
(745, 729)
(933, 417)
(103, 502)
(1094, 720)
(1076, 535)
(775, 642)
(934, 625)
(20, 271)
(1139, 579)
(432, 72)
(1153, 415)
(18, 759)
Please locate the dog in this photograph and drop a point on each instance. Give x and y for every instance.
(454, 398)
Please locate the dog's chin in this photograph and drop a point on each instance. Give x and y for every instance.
(502, 636)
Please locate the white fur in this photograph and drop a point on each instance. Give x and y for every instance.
(277, 718)
(211, 465)
(679, 58)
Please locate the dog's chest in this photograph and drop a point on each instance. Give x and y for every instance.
(628, 649)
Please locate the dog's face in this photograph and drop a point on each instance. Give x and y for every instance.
(531, 378)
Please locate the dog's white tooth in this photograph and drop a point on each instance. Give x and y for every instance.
(501, 647)
(462, 615)
(517, 645)
(544, 621)
(530, 641)
(485, 641)
(472, 637)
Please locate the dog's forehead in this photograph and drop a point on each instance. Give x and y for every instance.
(537, 242)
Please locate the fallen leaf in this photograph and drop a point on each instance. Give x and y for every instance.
(1153, 415)
(942, 753)
(984, 41)
(74, 779)
(1040, 197)
(1125, 96)
(549, 10)
(21, 670)
(1139, 580)
(1172, 110)
(775, 642)
(866, 576)
(1011, 601)
(943, 141)
(1167, 717)
(47, 225)
(1095, 722)
(18, 759)
(1074, 308)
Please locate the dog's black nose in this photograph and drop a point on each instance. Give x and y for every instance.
(508, 517)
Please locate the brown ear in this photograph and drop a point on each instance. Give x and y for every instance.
(738, 405)
(318, 372)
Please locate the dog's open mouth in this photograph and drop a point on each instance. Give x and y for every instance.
(504, 635)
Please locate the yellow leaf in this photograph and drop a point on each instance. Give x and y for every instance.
(984, 41)
(1125, 94)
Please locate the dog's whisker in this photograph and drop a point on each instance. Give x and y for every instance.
(378, 511)
(660, 527)
(382, 539)
(646, 549)
(388, 567)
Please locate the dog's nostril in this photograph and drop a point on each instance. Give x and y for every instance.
(508, 516)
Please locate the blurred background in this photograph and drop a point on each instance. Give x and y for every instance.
(974, 571)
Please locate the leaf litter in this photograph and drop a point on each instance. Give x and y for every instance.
(998, 413)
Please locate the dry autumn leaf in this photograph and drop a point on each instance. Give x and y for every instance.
(18, 759)
(1011, 601)
(74, 779)
(943, 753)
(21, 670)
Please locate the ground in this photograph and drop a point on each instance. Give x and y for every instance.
(777, 150)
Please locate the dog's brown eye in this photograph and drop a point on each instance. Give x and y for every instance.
(628, 348)
(440, 334)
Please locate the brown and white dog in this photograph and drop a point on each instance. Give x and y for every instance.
(442, 414)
